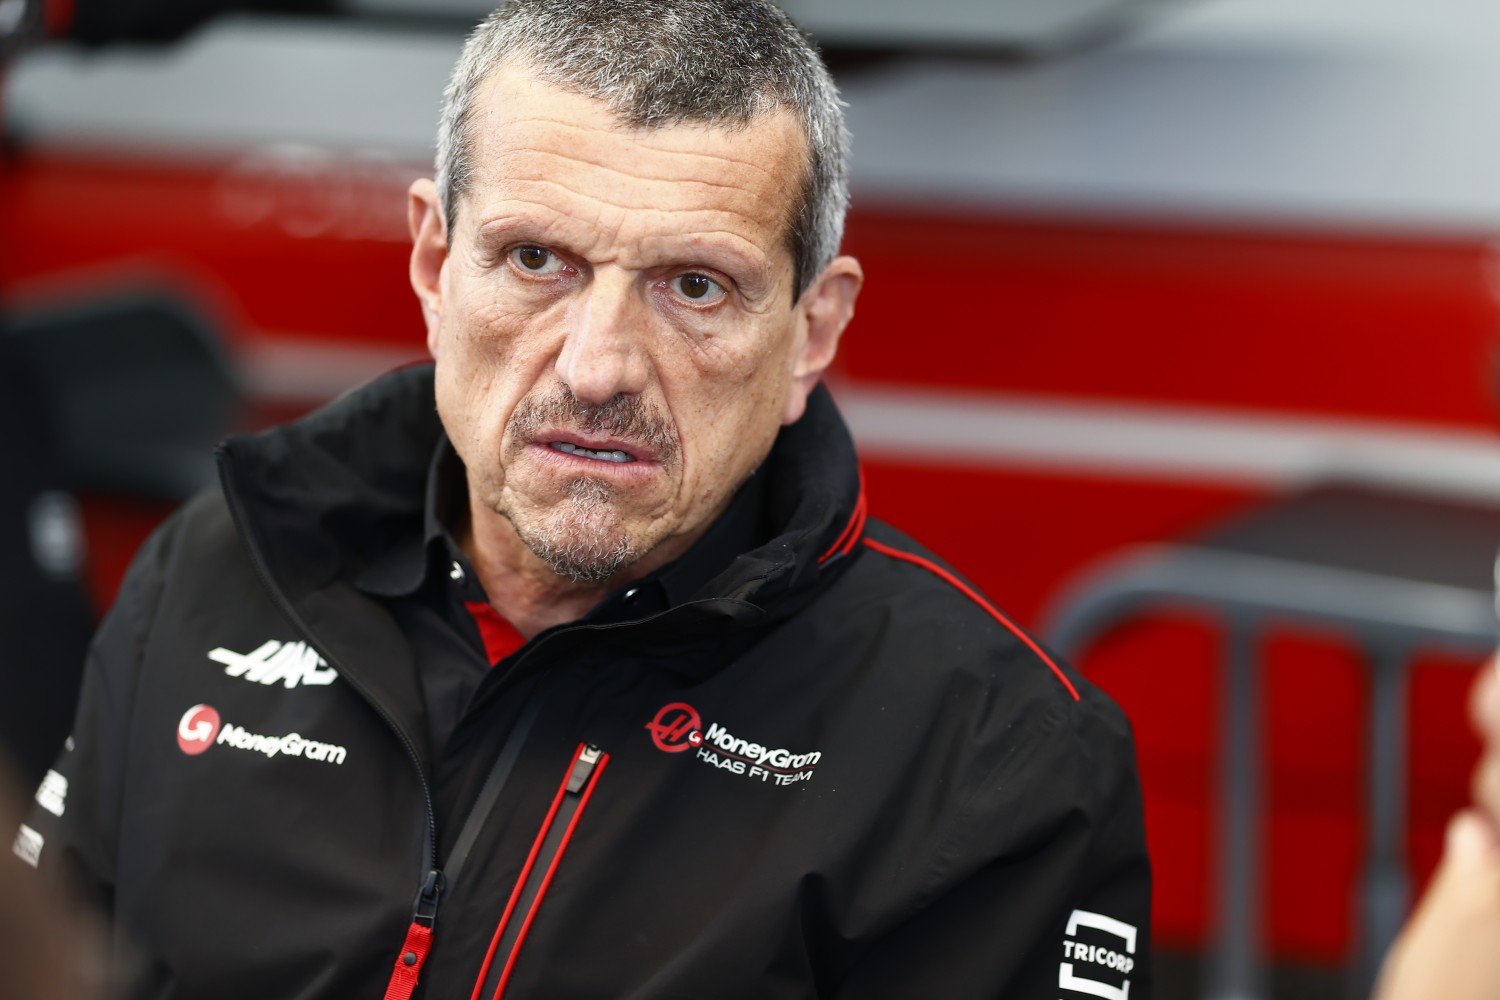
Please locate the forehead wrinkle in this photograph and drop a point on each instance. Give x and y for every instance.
(615, 176)
(653, 139)
(646, 202)
(677, 181)
(526, 191)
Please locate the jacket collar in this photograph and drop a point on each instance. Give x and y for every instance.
(319, 500)
(414, 563)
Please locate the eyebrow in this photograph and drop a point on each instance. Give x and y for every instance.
(494, 233)
(715, 249)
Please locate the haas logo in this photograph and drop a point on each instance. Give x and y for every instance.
(676, 727)
(196, 731)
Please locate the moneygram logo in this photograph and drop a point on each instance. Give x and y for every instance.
(675, 726)
(678, 727)
(196, 731)
(200, 728)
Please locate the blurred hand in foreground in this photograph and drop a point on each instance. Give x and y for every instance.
(1484, 715)
(1450, 948)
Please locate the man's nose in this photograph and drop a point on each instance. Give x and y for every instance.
(603, 353)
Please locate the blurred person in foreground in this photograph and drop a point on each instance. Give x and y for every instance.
(571, 665)
(48, 951)
(1450, 949)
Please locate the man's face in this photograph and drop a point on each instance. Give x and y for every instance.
(613, 327)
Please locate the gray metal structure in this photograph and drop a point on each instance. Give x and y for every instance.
(1396, 572)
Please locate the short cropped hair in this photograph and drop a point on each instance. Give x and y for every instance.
(657, 63)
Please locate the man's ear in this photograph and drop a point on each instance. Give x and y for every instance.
(825, 308)
(429, 253)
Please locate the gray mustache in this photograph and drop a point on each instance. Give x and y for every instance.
(624, 417)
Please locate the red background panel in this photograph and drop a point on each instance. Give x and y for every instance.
(166, 221)
(1367, 326)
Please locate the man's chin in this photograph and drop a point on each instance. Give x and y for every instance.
(581, 539)
(582, 560)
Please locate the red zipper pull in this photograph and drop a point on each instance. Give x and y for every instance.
(418, 940)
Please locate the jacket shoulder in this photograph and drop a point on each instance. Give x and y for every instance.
(204, 520)
(196, 544)
(930, 598)
(188, 528)
(1003, 686)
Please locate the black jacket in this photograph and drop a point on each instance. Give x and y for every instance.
(837, 772)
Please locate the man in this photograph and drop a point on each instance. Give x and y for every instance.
(571, 666)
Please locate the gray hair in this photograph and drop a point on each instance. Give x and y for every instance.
(657, 63)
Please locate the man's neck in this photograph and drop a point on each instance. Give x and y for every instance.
(522, 588)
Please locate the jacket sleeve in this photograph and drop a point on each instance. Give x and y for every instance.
(1053, 897)
(73, 830)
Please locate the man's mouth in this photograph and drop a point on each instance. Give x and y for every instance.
(569, 448)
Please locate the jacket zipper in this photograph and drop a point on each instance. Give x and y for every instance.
(424, 909)
(536, 874)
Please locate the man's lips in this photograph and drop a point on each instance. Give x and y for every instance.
(615, 455)
(611, 450)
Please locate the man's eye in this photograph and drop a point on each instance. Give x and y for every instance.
(698, 288)
(536, 260)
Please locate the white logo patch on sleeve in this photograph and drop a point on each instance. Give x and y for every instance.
(28, 845)
(52, 794)
(1099, 955)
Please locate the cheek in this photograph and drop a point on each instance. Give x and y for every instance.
(487, 323)
(745, 358)
(734, 417)
(760, 385)
(723, 392)
(460, 391)
(498, 341)
(472, 384)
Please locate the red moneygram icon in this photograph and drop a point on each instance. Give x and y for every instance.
(676, 727)
(196, 731)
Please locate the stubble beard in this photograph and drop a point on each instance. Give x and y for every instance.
(581, 538)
